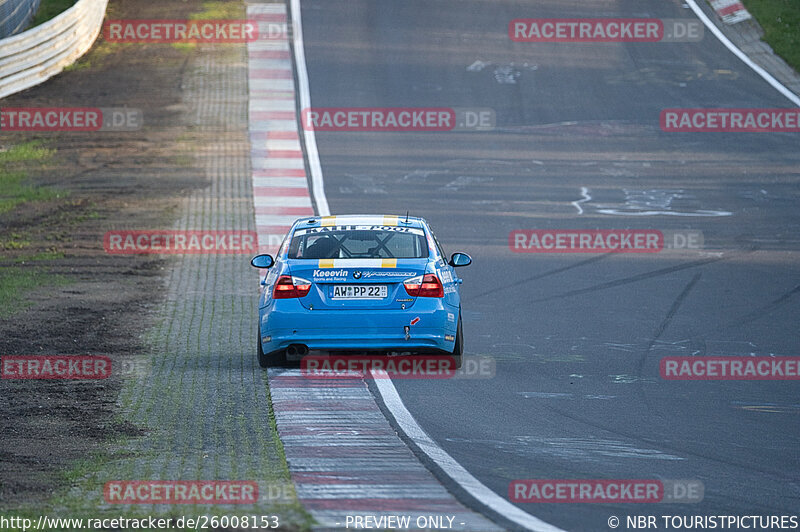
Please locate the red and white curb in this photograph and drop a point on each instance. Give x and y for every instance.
(346, 460)
(280, 188)
(766, 76)
(730, 11)
(344, 457)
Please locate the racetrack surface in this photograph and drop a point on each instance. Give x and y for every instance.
(578, 338)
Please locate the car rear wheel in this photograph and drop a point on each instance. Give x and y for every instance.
(458, 349)
(271, 360)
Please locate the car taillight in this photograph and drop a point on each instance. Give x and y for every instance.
(427, 285)
(289, 287)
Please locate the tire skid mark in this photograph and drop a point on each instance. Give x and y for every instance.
(632, 279)
(538, 276)
(766, 309)
(673, 310)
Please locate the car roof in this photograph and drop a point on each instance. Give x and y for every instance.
(361, 219)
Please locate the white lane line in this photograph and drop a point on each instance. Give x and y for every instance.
(448, 464)
(317, 184)
(777, 85)
(586, 197)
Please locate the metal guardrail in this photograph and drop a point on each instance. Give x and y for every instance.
(15, 15)
(42, 52)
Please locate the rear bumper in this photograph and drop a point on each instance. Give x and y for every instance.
(287, 322)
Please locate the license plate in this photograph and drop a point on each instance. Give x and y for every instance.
(360, 291)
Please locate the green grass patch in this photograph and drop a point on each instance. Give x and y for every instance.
(215, 10)
(14, 241)
(28, 151)
(219, 10)
(95, 58)
(16, 282)
(41, 256)
(50, 9)
(15, 191)
(14, 165)
(781, 22)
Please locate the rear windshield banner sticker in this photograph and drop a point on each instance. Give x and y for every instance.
(335, 228)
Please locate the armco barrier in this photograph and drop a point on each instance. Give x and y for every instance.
(15, 15)
(40, 53)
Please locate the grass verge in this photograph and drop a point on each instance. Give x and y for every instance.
(214, 10)
(17, 280)
(14, 163)
(781, 22)
(50, 9)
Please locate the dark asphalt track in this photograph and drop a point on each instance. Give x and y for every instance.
(578, 338)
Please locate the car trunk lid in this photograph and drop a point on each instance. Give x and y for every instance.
(342, 284)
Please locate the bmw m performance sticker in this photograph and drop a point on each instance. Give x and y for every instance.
(370, 275)
(326, 273)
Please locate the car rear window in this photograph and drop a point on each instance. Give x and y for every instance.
(358, 242)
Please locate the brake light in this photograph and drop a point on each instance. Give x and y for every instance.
(289, 287)
(427, 285)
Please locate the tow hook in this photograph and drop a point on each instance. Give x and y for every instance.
(407, 330)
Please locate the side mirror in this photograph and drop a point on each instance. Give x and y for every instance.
(262, 261)
(460, 259)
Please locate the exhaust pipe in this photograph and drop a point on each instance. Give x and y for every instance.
(297, 350)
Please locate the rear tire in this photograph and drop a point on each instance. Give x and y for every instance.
(458, 349)
(271, 360)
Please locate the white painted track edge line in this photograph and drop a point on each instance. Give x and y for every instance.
(449, 465)
(317, 183)
(769, 78)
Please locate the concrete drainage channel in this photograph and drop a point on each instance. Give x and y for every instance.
(346, 460)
